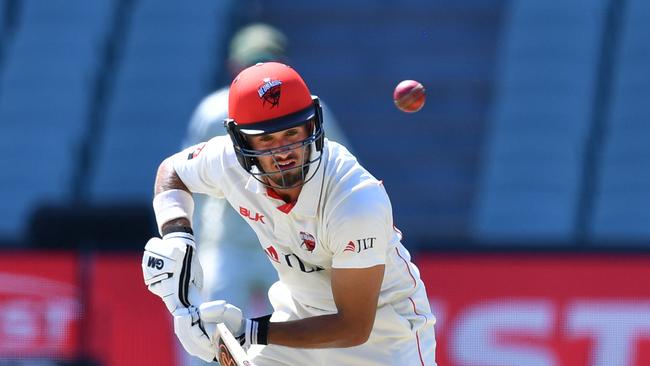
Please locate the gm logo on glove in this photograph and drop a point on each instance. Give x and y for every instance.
(156, 263)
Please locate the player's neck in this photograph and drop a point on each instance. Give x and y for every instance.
(290, 195)
(287, 195)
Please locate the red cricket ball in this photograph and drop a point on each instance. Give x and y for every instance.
(409, 96)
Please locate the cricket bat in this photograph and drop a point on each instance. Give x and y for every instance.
(229, 351)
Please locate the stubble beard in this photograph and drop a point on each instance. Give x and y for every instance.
(289, 178)
(292, 177)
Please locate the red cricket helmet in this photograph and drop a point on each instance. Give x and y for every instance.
(267, 98)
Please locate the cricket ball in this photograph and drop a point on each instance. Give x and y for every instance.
(409, 96)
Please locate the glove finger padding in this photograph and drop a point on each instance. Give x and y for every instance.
(221, 312)
(198, 339)
(172, 271)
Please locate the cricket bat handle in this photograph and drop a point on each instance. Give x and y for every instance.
(229, 352)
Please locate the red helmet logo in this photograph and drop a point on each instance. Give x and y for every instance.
(270, 92)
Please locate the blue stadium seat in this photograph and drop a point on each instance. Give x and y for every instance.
(3, 10)
(169, 58)
(541, 117)
(353, 53)
(45, 92)
(622, 202)
(40, 173)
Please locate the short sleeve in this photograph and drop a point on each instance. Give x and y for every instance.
(358, 229)
(201, 167)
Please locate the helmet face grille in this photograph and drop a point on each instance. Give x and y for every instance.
(286, 178)
(311, 147)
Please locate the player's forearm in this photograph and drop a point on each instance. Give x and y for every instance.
(325, 331)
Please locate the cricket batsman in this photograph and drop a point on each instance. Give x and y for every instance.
(347, 293)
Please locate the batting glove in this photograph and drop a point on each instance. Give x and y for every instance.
(221, 312)
(196, 328)
(197, 339)
(172, 271)
(247, 331)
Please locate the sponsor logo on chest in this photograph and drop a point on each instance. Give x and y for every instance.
(291, 260)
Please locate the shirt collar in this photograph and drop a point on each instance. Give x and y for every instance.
(310, 195)
(255, 186)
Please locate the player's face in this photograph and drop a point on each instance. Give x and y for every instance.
(288, 158)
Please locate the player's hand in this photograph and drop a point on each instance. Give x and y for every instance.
(171, 270)
(219, 311)
(247, 331)
(197, 338)
(196, 328)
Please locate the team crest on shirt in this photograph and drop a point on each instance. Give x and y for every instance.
(270, 92)
(308, 241)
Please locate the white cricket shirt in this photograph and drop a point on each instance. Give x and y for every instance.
(342, 219)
